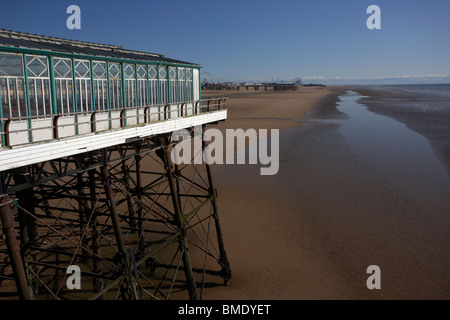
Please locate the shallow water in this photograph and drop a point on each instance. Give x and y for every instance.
(401, 155)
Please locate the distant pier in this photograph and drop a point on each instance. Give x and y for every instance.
(252, 87)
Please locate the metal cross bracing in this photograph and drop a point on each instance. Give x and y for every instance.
(138, 226)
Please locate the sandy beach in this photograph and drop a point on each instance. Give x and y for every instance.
(311, 231)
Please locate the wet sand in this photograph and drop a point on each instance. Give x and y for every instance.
(426, 114)
(311, 231)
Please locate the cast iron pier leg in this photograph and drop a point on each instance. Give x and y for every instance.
(126, 181)
(7, 219)
(179, 221)
(28, 227)
(118, 232)
(225, 264)
(97, 282)
(138, 192)
(83, 209)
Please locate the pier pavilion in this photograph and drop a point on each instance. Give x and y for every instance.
(87, 178)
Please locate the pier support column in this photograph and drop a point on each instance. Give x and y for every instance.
(126, 181)
(97, 282)
(131, 287)
(83, 209)
(224, 262)
(138, 193)
(179, 220)
(7, 220)
(27, 226)
(28, 233)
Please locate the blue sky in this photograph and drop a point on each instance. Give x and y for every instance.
(324, 41)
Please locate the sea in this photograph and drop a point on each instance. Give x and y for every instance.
(432, 89)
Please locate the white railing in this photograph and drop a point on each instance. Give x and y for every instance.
(25, 130)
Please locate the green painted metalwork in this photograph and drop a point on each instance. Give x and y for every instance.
(92, 85)
(1, 106)
(173, 94)
(136, 85)
(86, 57)
(27, 95)
(192, 86)
(178, 92)
(52, 84)
(185, 85)
(91, 71)
(124, 96)
(159, 91)
(148, 88)
(2, 129)
(75, 97)
(136, 88)
(169, 91)
(108, 88)
(199, 85)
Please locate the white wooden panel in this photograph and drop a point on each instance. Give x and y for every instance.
(131, 117)
(196, 82)
(141, 115)
(115, 119)
(154, 113)
(174, 111)
(66, 126)
(21, 137)
(46, 133)
(84, 124)
(189, 109)
(101, 121)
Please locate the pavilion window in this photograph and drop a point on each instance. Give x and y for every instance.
(142, 93)
(83, 79)
(163, 84)
(100, 85)
(153, 84)
(38, 85)
(130, 85)
(12, 85)
(115, 82)
(189, 84)
(63, 85)
(182, 84)
(173, 85)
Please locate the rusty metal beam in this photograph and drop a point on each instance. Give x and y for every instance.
(179, 221)
(130, 289)
(12, 243)
(67, 191)
(225, 264)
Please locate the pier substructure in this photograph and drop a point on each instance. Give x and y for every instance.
(137, 225)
